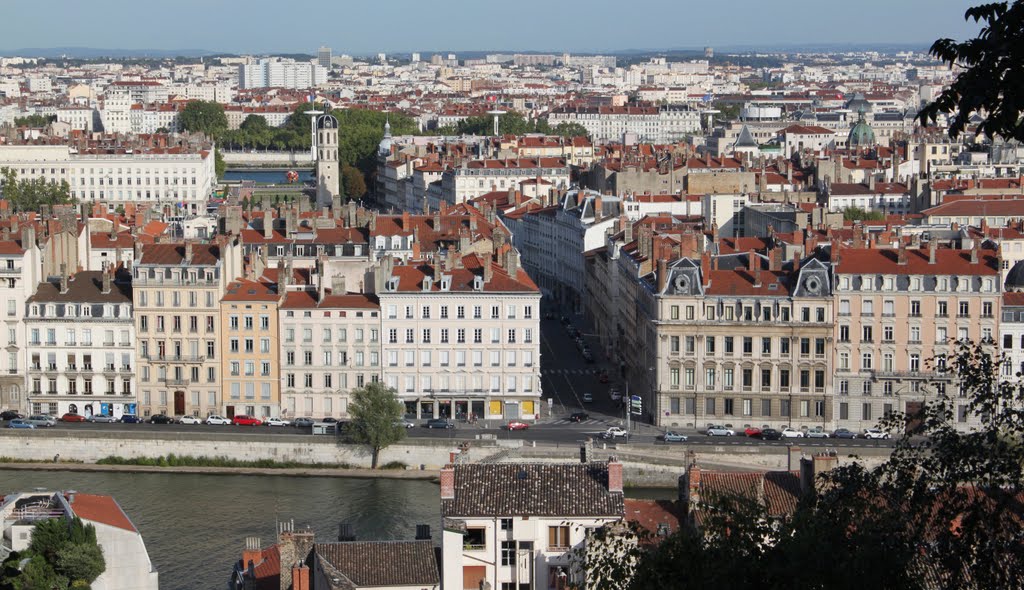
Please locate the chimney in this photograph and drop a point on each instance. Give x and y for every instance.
(488, 269)
(512, 263)
(268, 224)
(705, 267)
(598, 210)
(406, 221)
(338, 286)
(252, 555)
(113, 229)
(108, 272)
(300, 577)
(693, 485)
(753, 262)
(901, 254)
(796, 262)
(775, 259)
(974, 252)
(448, 483)
(614, 476)
(931, 251)
(628, 232)
(871, 182)
(662, 274)
(794, 458)
(63, 278)
(188, 251)
(812, 469)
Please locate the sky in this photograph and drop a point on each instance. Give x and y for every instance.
(360, 27)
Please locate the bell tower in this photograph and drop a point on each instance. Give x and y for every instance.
(328, 178)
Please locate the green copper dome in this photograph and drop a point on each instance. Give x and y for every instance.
(861, 134)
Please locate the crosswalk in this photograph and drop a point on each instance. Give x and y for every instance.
(570, 371)
(594, 421)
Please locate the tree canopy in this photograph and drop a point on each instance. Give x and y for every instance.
(990, 78)
(859, 214)
(34, 120)
(204, 116)
(62, 555)
(31, 195)
(944, 511)
(376, 413)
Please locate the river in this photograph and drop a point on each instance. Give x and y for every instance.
(266, 176)
(195, 526)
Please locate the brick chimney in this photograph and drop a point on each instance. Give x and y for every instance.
(692, 493)
(705, 267)
(775, 259)
(662, 274)
(448, 483)
(300, 577)
(811, 470)
(901, 254)
(614, 476)
(796, 262)
(252, 555)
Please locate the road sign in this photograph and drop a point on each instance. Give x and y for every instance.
(636, 405)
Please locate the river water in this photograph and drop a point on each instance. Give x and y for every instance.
(195, 526)
(266, 176)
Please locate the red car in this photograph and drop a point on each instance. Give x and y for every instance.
(243, 420)
(752, 431)
(516, 425)
(603, 378)
(72, 417)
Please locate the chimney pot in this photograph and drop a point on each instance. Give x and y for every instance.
(448, 483)
(614, 476)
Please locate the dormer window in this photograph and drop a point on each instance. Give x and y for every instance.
(478, 283)
(69, 311)
(35, 310)
(393, 284)
(446, 283)
(87, 311)
(427, 283)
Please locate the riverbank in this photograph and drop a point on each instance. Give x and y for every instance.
(349, 472)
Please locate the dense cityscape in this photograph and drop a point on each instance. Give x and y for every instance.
(646, 319)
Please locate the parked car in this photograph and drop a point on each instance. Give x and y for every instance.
(41, 420)
(816, 432)
(718, 430)
(72, 417)
(215, 419)
(20, 423)
(673, 437)
(603, 378)
(615, 432)
(874, 433)
(517, 425)
(843, 433)
(579, 417)
(243, 420)
(160, 419)
(190, 420)
(329, 420)
(105, 418)
(276, 422)
(588, 398)
(130, 419)
(303, 422)
(405, 423)
(615, 394)
(752, 431)
(770, 434)
(439, 423)
(9, 415)
(792, 433)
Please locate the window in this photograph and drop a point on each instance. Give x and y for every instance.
(674, 344)
(690, 344)
(475, 539)
(865, 411)
(915, 309)
(942, 310)
(508, 549)
(674, 312)
(964, 309)
(729, 345)
(867, 333)
(709, 345)
(844, 333)
(558, 538)
(865, 361)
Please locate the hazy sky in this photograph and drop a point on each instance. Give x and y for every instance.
(362, 27)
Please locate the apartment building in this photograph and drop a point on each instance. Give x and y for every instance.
(172, 177)
(330, 344)
(249, 349)
(20, 274)
(665, 124)
(477, 177)
(1011, 332)
(516, 525)
(177, 288)
(740, 338)
(81, 345)
(461, 335)
(896, 310)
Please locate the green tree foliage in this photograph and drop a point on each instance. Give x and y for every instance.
(729, 111)
(376, 412)
(352, 183)
(31, 195)
(34, 120)
(511, 123)
(858, 214)
(942, 512)
(990, 74)
(570, 130)
(219, 165)
(62, 554)
(204, 116)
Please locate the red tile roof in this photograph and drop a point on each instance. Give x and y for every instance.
(174, 254)
(411, 275)
(246, 290)
(983, 208)
(884, 261)
(102, 509)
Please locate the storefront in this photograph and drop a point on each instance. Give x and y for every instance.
(470, 408)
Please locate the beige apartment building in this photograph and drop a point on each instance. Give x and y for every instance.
(896, 310)
(740, 339)
(177, 288)
(249, 349)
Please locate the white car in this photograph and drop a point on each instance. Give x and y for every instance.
(405, 423)
(219, 420)
(190, 420)
(874, 433)
(615, 432)
(615, 394)
(716, 430)
(276, 422)
(792, 433)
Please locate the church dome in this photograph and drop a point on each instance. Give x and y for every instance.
(326, 122)
(1015, 277)
(384, 147)
(861, 134)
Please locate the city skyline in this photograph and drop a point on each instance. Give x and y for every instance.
(357, 29)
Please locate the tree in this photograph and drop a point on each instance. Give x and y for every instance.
(990, 81)
(858, 214)
(204, 116)
(376, 412)
(353, 184)
(62, 553)
(80, 561)
(943, 511)
(219, 165)
(566, 129)
(34, 120)
(37, 574)
(31, 195)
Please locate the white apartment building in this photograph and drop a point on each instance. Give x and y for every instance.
(167, 177)
(478, 177)
(153, 118)
(281, 73)
(516, 525)
(330, 344)
(79, 118)
(20, 274)
(1011, 334)
(81, 345)
(666, 124)
(461, 338)
(177, 290)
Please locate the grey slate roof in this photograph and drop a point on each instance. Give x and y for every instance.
(532, 489)
(380, 563)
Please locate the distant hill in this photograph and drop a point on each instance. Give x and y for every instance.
(93, 53)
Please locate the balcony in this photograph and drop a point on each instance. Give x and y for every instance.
(172, 381)
(161, 358)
